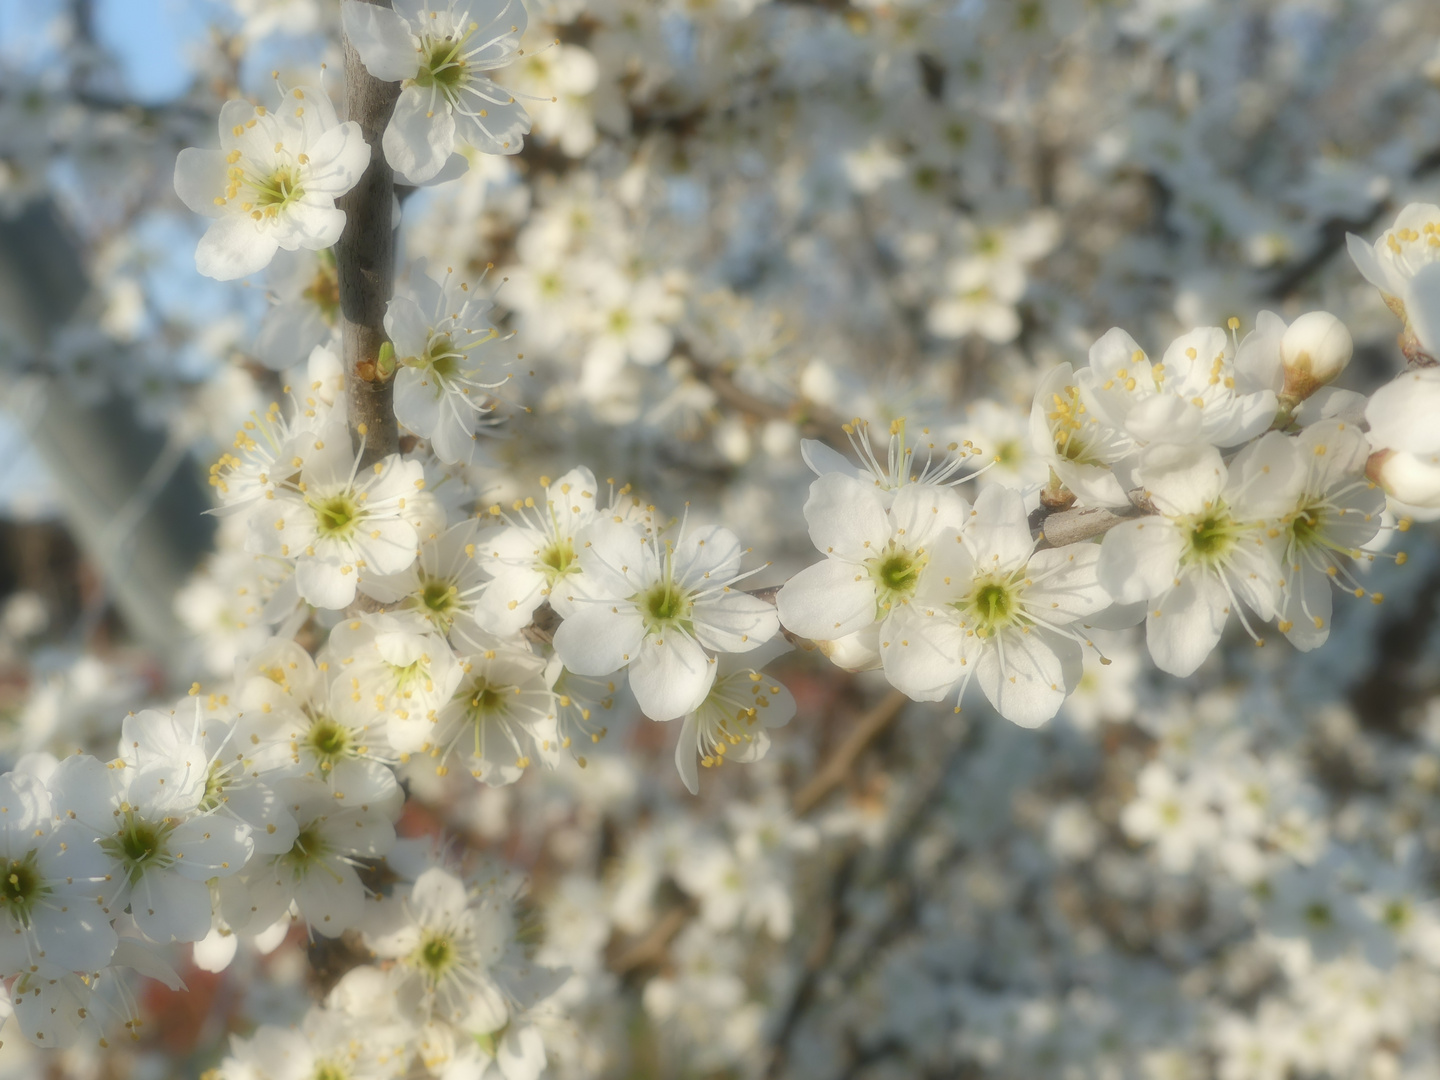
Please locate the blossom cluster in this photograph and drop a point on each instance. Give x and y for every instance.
(224, 819)
(724, 228)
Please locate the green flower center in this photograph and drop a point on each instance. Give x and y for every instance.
(443, 67)
(410, 673)
(326, 1070)
(437, 600)
(335, 516)
(993, 604)
(139, 845)
(216, 781)
(664, 605)
(1397, 914)
(1209, 538)
(281, 188)
(21, 886)
(557, 560)
(329, 741)
(442, 358)
(486, 699)
(1317, 913)
(310, 848)
(1305, 527)
(896, 574)
(436, 955)
(439, 596)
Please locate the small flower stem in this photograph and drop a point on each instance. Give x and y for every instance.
(365, 264)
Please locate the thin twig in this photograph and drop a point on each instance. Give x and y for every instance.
(838, 765)
(651, 948)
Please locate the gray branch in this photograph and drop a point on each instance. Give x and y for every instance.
(365, 263)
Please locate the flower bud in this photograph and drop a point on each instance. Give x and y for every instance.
(1315, 349)
(1413, 479)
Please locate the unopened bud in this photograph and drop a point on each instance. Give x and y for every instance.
(1413, 479)
(1315, 349)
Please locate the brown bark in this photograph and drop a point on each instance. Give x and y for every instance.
(365, 264)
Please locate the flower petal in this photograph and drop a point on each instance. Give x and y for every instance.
(382, 39)
(828, 600)
(670, 676)
(233, 247)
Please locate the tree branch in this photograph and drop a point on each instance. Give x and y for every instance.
(365, 264)
(1075, 526)
(838, 765)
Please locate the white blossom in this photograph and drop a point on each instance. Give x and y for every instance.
(439, 50)
(273, 183)
(1207, 549)
(660, 609)
(991, 607)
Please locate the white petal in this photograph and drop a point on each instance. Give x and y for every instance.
(215, 951)
(1185, 626)
(310, 224)
(920, 513)
(337, 161)
(417, 400)
(822, 459)
(1307, 607)
(1362, 253)
(210, 846)
(687, 753)
(617, 560)
(596, 641)
(846, 517)
(322, 583)
(1182, 479)
(81, 939)
(407, 326)
(1402, 413)
(1070, 589)
(709, 553)
(1164, 418)
(200, 178)
(998, 532)
(169, 907)
(233, 247)
(828, 600)
(1422, 307)
(504, 127)
(331, 902)
(49, 1011)
(1026, 676)
(418, 142)
(671, 675)
(521, 1053)
(1139, 559)
(735, 622)
(382, 39)
(921, 653)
